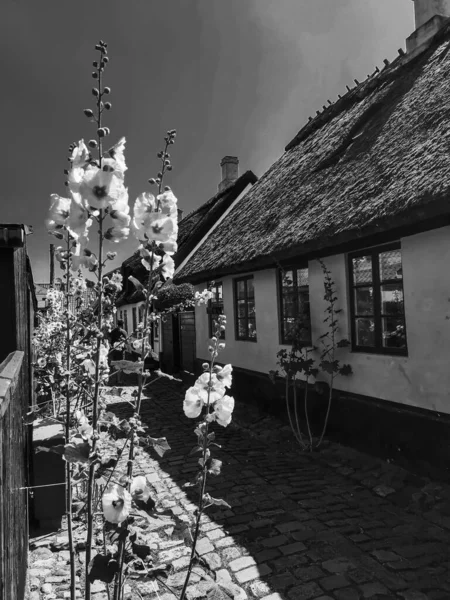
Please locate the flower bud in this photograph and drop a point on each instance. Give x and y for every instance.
(98, 47)
(92, 144)
(101, 132)
(152, 181)
(88, 112)
(105, 59)
(166, 188)
(94, 75)
(95, 64)
(205, 366)
(221, 345)
(66, 172)
(107, 90)
(107, 130)
(95, 92)
(108, 105)
(169, 167)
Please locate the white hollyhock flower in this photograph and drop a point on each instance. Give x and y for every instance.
(79, 159)
(78, 221)
(116, 503)
(102, 187)
(168, 204)
(140, 489)
(151, 262)
(193, 403)
(223, 410)
(224, 375)
(168, 267)
(170, 246)
(207, 383)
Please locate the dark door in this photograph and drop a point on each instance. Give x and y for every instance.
(187, 341)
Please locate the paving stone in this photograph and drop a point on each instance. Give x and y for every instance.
(413, 595)
(334, 582)
(347, 594)
(213, 560)
(259, 589)
(338, 565)
(230, 553)
(204, 546)
(241, 563)
(293, 548)
(369, 590)
(275, 541)
(386, 555)
(305, 591)
(275, 596)
(308, 573)
(266, 555)
(253, 573)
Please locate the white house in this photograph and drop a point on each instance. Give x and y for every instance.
(364, 186)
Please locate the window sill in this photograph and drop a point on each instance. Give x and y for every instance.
(247, 340)
(380, 352)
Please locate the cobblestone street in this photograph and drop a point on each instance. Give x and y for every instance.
(335, 525)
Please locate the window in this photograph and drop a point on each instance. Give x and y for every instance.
(125, 320)
(376, 300)
(295, 315)
(215, 307)
(244, 309)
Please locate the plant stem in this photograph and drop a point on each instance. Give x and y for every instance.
(296, 414)
(91, 481)
(67, 433)
(201, 503)
(307, 413)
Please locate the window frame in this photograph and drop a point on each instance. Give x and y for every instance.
(374, 252)
(213, 286)
(236, 313)
(280, 273)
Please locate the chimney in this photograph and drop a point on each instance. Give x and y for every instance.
(430, 16)
(230, 171)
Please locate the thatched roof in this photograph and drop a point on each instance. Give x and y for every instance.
(191, 231)
(377, 160)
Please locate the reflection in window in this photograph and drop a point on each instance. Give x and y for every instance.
(245, 316)
(294, 301)
(377, 301)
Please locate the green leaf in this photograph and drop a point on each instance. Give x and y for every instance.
(329, 366)
(343, 344)
(141, 550)
(160, 445)
(137, 284)
(195, 449)
(216, 501)
(102, 568)
(346, 370)
(77, 450)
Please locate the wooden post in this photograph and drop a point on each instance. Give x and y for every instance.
(52, 264)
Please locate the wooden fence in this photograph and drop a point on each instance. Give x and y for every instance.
(14, 398)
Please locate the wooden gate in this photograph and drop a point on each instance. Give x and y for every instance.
(186, 321)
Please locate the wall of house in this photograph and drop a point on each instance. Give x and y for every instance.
(421, 379)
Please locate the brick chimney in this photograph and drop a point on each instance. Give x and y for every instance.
(230, 171)
(430, 16)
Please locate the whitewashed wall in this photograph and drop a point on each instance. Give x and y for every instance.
(129, 321)
(421, 379)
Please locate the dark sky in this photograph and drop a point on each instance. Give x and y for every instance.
(235, 77)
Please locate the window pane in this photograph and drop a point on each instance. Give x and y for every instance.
(362, 269)
(363, 300)
(288, 325)
(252, 328)
(242, 330)
(240, 289)
(251, 308)
(288, 306)
(241, 308)
(302, 277)
(250, 288)
(365, 332)
(392, 299)
(390, 265)
(394, 332)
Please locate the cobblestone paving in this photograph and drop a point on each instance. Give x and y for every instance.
(335, 525)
